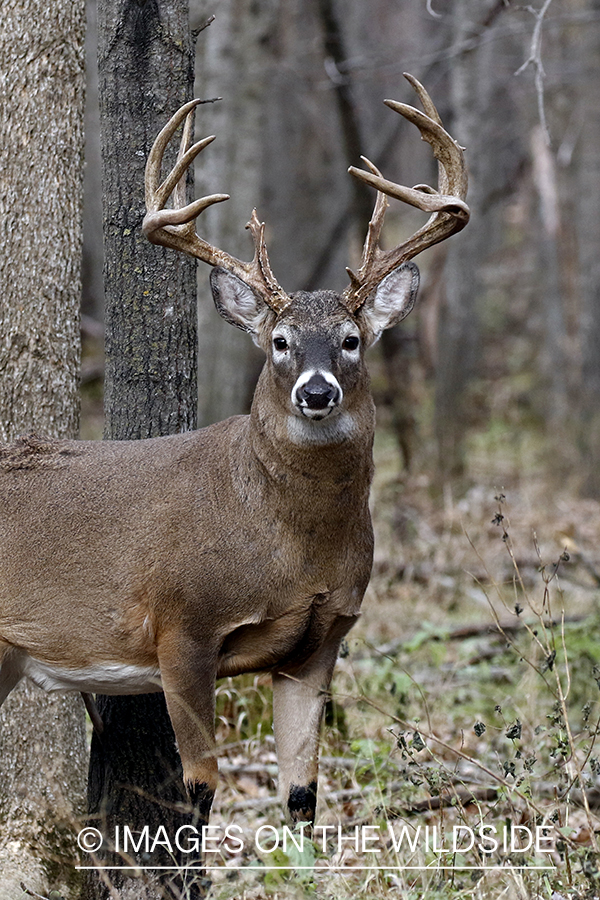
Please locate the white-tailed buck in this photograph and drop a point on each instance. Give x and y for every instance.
(164, 564)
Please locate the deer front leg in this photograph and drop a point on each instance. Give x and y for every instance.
(188, 674)
(299, 694)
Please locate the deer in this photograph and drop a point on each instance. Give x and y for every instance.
(165, 564)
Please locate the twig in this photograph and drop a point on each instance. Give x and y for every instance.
(335, 797)
(431, 10)
(494, 629)
(535, 59)
(200, 29)
(574, 762)
(518, 580)
(32, 893)
(577, 555)
(92, 711)
(461, 754)
(476, 795)
(91, 371)
(325, 762)
(91, 328)
(464, 798)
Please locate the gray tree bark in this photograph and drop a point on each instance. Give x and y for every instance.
(459, 328)
(92, 299)
(146, 72)
(588, 192)
(233, 63)
(145, 59)
(480, 107)
(42, 737)
(554, 358)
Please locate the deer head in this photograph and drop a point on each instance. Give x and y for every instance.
(314, 341)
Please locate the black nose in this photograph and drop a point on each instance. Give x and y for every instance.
(317, 393)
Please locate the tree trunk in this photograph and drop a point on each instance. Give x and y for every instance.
(92, 288)
(589, 259)
(42, 737)
(233, 64)
(145, 73)
(554, 361)
(473, 96)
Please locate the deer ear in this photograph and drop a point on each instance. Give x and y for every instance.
(393, 300)
(236, 302)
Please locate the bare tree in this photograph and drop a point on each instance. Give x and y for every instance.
(42, 738)
(233, 62)
(92, 300)
(145, 73)
(474, 94)
(588, 193)
(554, 363)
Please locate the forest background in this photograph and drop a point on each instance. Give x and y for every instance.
(515, 295)
(483, 604)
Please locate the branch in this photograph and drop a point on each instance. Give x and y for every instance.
(431, 10)
(336, 56)
(339, 75)
(196, 32)
(463, 632)
(535, 59)
(32, 893)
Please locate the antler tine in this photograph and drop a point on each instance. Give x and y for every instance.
(423, 95)
(155, 157)
(175, 180)
(157, 194)
(449, 211)
(374, 229)
(174, 227)
(278, 299)
(180, 197)
(431, 111)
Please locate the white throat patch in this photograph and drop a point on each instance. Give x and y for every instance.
(332, 430)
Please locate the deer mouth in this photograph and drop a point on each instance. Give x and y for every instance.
(317, 395)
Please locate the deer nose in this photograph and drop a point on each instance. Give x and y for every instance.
(317, 393)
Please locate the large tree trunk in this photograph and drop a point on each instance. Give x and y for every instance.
(92, 293)
(233, 63)
(554, 359)
(459, 328)
(145, 73)
(481, 108)
(588, 192)
(42, 737)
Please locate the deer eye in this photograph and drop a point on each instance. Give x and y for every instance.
(280, 344)
(351, 342)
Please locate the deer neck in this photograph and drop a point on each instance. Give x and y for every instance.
(322, 459)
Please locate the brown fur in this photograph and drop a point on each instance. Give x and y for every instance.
(221, 551)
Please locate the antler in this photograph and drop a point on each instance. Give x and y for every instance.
(450, 212)
(175, 227)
